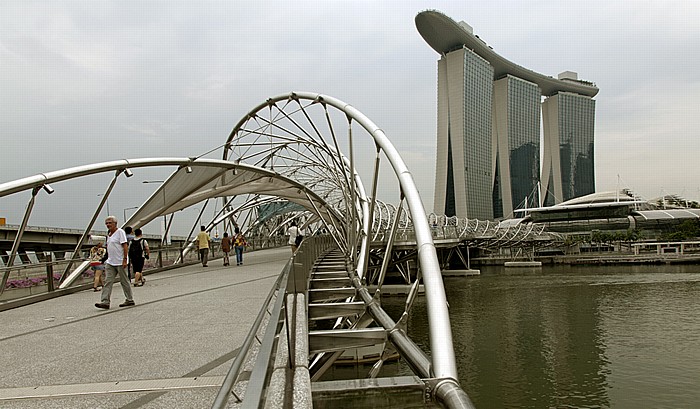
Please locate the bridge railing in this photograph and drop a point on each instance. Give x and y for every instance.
(266, 242)
(273, 330)
(409, 235)
(32, 278)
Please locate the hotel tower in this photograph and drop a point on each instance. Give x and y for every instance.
(488, 130)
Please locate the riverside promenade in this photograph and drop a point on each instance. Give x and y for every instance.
(171, 350)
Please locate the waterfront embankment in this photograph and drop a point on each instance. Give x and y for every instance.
(597, 259)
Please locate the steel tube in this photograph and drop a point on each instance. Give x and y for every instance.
(389, 247)
(95, 215)
(370, 217)
(452, 396)
(18, 238)
(438, 316)
(415, 357)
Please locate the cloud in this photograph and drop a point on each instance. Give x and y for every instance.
(141, 79)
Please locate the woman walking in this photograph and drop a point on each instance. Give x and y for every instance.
(239, 244)
(97, 254)
(226, 248)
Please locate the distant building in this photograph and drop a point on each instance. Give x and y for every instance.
(488, 154)
(613, 211)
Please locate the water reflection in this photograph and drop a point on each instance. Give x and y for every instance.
(574, 337)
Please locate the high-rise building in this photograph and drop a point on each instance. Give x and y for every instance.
(464, 135)
(568, 167)
(516, 147)
(488, 150)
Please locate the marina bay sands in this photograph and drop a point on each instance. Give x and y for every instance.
(488, 156)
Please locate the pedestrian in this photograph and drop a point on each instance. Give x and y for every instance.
(129, 236)
(117, 252)
(97, 254)
(203, 241)
(239, 244)
(226, 248)
(293, 232)
(139, 252)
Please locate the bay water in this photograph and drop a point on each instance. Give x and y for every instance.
(573, 336)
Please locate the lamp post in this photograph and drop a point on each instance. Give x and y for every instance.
(128, 208)
(106, 202)
(165, 218)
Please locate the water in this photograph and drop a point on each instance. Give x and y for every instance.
(574, 337)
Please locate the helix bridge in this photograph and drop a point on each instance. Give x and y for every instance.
(319, 162)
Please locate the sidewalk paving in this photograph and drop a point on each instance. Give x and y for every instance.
(181, 337)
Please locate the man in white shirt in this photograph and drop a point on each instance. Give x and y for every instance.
(117, 251)
(293, 232)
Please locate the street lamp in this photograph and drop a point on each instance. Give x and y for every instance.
(128, 208)
(107, 203)
(165, 218)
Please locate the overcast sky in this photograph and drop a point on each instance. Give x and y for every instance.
(91, 81)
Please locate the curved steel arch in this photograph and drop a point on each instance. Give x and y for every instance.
(270, 136)
(205, 178)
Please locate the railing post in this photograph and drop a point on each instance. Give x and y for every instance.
(49, 272)
(298, 282)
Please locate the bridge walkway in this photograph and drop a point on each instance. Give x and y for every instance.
(172, 349)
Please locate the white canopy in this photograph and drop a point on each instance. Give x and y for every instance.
(205, 179)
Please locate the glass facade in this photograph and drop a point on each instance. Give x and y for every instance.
(489, 141)
(576, 132)
(478, 92)
(497, 195)
(450, 209)
(524, 141)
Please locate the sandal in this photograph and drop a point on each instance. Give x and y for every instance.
(95, 289)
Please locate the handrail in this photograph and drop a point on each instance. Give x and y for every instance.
(312, 246)
(47, 270)
(279, 286)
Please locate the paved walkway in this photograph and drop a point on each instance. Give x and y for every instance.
(179, 339)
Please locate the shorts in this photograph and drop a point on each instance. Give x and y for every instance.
(137, 264)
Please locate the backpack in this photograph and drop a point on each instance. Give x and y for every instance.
(136, 249)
